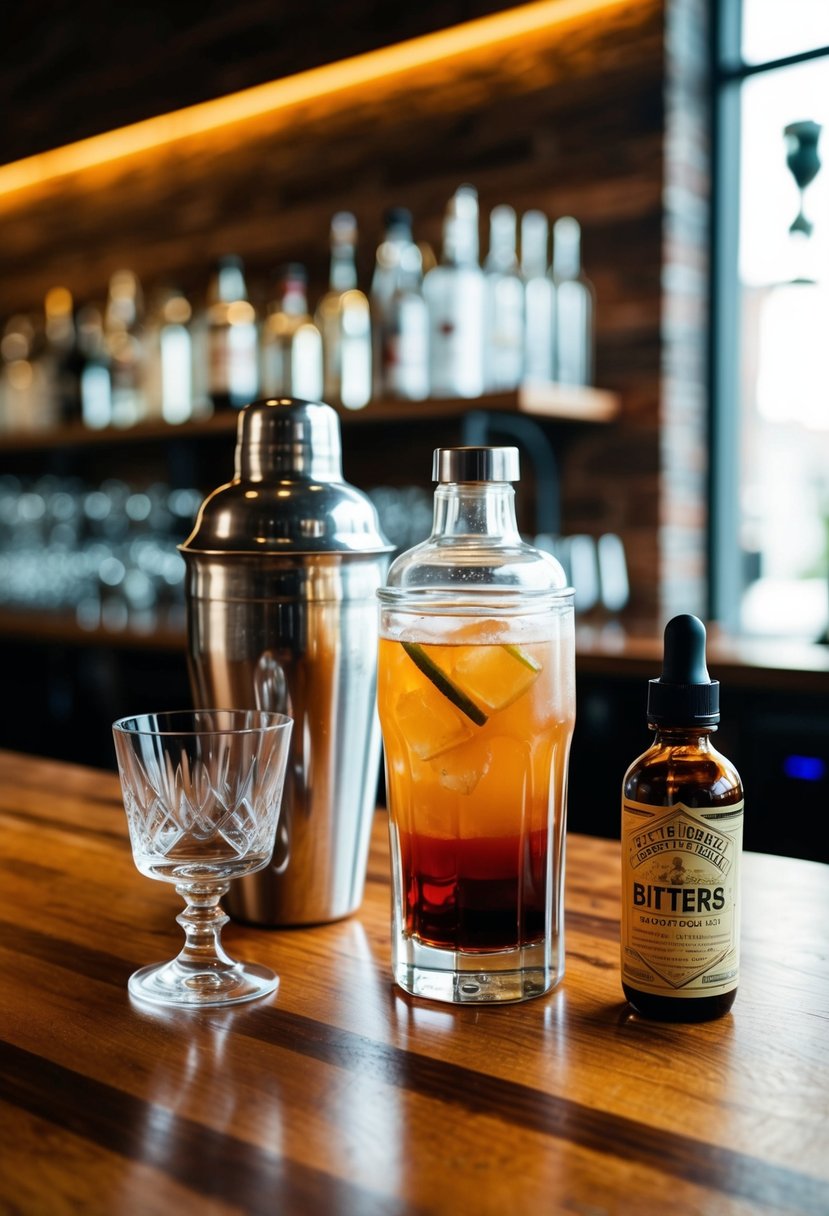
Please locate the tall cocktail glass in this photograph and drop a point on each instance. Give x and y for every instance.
(476, 695)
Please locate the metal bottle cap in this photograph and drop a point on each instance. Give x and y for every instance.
(475, 464)
(288, 494)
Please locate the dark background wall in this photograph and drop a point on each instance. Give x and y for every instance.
(77, 69)
(603, 117)
(577, 119)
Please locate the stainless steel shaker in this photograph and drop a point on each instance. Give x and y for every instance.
(282, 568)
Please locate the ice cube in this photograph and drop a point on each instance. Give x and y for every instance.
(495, 676)
(430, 723)
(462, 768)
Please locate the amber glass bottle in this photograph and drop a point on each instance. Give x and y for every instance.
(682, 817)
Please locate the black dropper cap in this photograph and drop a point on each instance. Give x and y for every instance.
(685, 694)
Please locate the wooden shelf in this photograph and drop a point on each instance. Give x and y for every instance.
(612, 651)
(782, 664)
(75, 435)
(553, 401)
(61, 628)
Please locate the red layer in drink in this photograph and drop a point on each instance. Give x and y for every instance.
(475, 895)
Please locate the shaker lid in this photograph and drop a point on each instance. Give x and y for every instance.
(475, 464)
(287, 494)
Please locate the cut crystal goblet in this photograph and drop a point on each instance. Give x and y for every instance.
(202, 791)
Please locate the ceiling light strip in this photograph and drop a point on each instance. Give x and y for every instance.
(291, 91)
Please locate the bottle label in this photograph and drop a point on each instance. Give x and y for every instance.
(456, 301)
(232, 362)
(680, 898)
(218, 355)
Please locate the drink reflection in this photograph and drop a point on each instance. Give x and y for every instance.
(238, 1130)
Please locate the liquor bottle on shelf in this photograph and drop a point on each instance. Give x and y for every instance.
(96, 383)
(27, 387)
(291, 342)
(63, 352)
(428, 258)
(539, 297)
(504, 337)
(232, 339)
(125, 346)
(400, 318)
(455, 296)
(574, 306)
(200, 368)
(344, 320)
(170, 357)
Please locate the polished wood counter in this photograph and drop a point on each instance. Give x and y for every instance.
(341, 1095)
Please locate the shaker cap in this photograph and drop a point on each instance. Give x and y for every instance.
(288, 494)
(475, 464)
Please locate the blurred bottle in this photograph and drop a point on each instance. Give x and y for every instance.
(344, 320)
(96, 383)
(573, 307)
(455, 296)
(291, 342)
(400, 319)
(200, 367)
(232, 358)
(27, 387)
(427, 256)
(125, 346)
(64, 354)
(504, 336)
(539, 296)
(169, 347)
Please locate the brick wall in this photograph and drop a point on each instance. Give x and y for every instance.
(602, 118)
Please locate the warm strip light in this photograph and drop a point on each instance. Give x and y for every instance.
(294, 90)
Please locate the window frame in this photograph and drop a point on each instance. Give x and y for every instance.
(728, 74)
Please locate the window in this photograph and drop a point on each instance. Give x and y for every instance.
(770, 338)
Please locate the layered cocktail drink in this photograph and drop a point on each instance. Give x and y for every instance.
(477, 713)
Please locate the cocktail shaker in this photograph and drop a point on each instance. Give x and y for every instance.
(282, 569)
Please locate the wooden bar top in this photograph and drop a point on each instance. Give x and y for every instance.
(339, 1094)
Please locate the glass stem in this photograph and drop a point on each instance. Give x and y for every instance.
(202, 921)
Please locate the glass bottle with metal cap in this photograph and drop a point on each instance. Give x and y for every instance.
(476, 692)
(282, 569)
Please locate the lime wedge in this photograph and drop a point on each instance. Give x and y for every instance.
(523, 657)
(443, 683)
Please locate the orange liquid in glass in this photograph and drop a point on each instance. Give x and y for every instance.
(473, 805)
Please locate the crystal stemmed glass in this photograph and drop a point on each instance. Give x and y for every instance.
(202, 791)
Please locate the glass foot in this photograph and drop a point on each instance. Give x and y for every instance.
(174, 984)
(462, 978)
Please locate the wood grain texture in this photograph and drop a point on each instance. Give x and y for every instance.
(341, 1094)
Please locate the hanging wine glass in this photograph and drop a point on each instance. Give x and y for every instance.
(804, 163)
